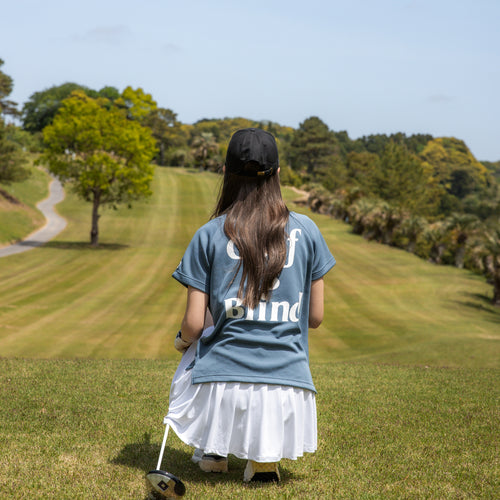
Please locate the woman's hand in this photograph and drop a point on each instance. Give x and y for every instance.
(180, 344)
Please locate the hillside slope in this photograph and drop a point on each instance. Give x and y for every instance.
(67, 300)
(18, 214)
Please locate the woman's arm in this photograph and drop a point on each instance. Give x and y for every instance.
(316, 303)
(194, 317)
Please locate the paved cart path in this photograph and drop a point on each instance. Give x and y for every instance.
(53, 226)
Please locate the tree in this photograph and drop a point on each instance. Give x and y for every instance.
(411, 229)
(166, 130)
(455, 167)
(41, 107)
(438, 240)
(12, 159)
(205, 151)
(376, 143)
(359, 215)
(361, 167)
(137, 103)
(110, 93)
(312, 145)
(400, 178)
(494, 168)
(487, 250)
(105, 156)
(6, 85)
(492, 245)
(461, 227)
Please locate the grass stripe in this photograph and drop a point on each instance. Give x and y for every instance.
(119, 301)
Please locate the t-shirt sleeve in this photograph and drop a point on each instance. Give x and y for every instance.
(194, 268)
(323, 259)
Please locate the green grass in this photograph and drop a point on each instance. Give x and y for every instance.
(19, 220)
(92, 429)
(406, 365)
(69, 300)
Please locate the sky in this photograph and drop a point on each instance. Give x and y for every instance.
(363, 66)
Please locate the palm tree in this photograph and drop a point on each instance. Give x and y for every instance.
(437, 237)
(392, 218)
(411, 228)
(358, 214)
(319, 199)
(337, 208)
(205, 149)
(342, 199)
(461, 226)
(488, 249)
(381, 222)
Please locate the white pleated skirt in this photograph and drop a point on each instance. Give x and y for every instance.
(260, 422)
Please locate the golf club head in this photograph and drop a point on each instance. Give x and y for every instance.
(166, 484)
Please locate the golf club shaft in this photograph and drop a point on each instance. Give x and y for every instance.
(160, 458)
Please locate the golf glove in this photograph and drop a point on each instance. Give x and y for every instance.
(180, 344)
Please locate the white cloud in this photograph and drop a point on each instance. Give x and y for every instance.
(109, 35)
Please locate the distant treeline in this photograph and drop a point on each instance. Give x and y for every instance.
(426, 194)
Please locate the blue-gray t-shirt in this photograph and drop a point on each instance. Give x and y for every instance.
(270, 343)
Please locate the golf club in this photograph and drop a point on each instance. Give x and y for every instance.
(164, 483)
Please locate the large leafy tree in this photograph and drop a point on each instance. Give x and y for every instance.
(104, 155)
(41, 107)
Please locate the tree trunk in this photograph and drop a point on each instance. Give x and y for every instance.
(496, 286)
(94, 232)
(412, 245)
(460, 257)
(162, 154)
(437, 251)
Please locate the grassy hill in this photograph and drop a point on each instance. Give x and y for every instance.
(18, 214)
(406, 365)
(119, 301)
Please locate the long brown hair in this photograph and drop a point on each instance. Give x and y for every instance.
(256, 218)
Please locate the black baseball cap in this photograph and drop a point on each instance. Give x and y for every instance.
(252, 145)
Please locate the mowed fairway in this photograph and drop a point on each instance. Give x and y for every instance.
(67, 300)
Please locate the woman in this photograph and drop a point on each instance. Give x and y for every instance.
(256, 270)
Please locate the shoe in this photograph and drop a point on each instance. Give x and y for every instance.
(213, 463)
(259, 471)
(197, 456)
